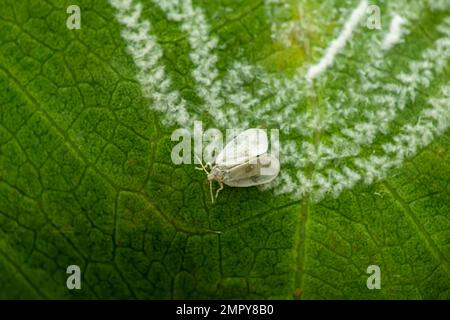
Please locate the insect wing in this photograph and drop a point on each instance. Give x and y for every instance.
(249, 144)
(253, 173)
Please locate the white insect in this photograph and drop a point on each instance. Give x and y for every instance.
(244, 162)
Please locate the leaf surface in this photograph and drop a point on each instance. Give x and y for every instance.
(86, 176)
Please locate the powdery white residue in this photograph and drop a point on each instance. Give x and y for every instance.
(147, 53)
(395, 32)
(339, 43)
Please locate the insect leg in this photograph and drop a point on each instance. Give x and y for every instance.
(201, 168)
(220, 189)
(211, 191)
(201, 164)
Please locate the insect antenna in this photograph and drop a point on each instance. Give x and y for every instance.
(201, 164)
(206, 171)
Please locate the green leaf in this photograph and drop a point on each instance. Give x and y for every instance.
(86, 176)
